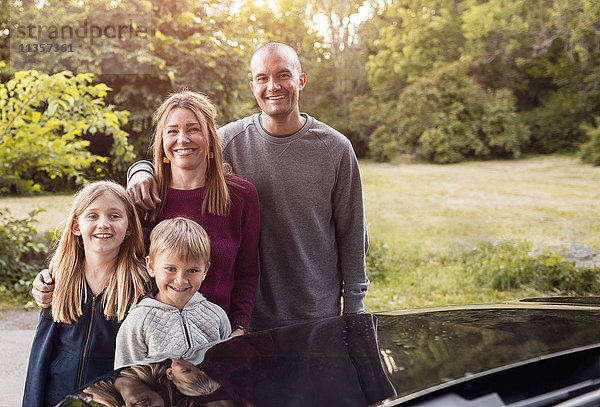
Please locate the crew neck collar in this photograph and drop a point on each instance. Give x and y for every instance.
(299, 132)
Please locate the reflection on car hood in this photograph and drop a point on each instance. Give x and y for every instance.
(366, 359)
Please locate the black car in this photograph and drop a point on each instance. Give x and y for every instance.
(534, 352)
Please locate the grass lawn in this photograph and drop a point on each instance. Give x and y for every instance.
(426, 214)
(55, 208)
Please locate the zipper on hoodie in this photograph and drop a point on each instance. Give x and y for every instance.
(87, 342)
(185, 330)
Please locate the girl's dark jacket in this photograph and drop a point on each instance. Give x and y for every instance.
(65, 357)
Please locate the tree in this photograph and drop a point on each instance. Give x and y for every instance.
(590, 152)
(545, 52)
(447, 117)
(43, 125)
(326, 36)
(420, 35)
(166, 46)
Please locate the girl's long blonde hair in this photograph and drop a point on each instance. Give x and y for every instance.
(216, 199)
(152, 376)
(128, 283)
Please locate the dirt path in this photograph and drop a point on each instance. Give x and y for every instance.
(18, 319)
(16, 333)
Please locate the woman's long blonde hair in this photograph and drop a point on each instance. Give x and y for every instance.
(216, 199)
(128, 283)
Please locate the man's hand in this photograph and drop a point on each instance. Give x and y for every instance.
(43, 287)
(143, 190)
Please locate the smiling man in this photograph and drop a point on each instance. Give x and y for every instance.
(313, 238)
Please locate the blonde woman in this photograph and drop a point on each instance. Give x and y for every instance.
(99, 275)
(193, 183)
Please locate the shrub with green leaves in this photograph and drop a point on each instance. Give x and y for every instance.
(44, 122)
(511, 265)
(22, 252)
(447, 117)
(555, 125)
(590, 153)
(381, 261)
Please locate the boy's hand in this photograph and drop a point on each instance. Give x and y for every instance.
(143, 190)
(43, 288)
(237, 332)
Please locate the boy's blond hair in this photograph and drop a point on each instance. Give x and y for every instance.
(201, 386)
(182, 238)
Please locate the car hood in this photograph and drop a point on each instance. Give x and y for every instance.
(391, 358)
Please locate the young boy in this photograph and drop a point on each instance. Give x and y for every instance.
(178, 322)
(189, 379)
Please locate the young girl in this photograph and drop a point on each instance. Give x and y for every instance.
(140, 385)
(99, 276)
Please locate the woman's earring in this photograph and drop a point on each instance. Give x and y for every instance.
(166, 160)
(211, 155)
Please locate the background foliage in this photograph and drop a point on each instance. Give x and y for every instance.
(434, 81)
(22, 253)
(46, 124)
(443, 81)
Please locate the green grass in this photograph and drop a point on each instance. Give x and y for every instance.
(428, 215)
(543, 200)
(55, 208)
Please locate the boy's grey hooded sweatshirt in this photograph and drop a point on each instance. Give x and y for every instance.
(154, 331)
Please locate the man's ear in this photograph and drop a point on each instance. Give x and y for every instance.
(150, 266)
(302, 78)
(75, 228)
(169, 374)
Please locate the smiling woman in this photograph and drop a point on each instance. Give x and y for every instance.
(194, 183)
(185, 146)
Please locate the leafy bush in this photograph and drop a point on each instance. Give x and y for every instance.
(590, 153)
(512, 265)
(54, 126)
(555, 126)
(448, 117)
(22, 252)
(365, 116)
